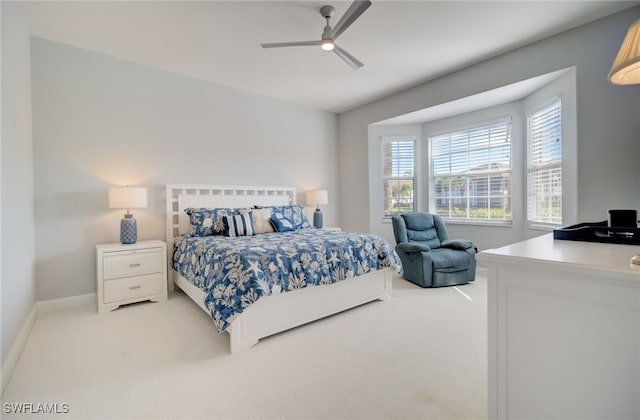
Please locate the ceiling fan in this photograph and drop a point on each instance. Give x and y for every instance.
(329, 35)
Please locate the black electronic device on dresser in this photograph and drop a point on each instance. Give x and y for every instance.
(621, 228)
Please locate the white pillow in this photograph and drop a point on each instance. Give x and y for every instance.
(261, 220)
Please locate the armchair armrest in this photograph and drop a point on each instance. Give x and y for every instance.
(412, 247)
(460, 244)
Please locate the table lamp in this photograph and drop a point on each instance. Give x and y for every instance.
(128, 198)
(626, 67)
(317, 197)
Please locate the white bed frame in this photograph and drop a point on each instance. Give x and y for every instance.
(275, 313)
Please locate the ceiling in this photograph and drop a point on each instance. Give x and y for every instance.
(401, 43)
(501, 95)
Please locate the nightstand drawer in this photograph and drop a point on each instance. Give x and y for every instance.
(132, 263)
(132, 287)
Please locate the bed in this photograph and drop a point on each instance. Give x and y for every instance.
(273, 311)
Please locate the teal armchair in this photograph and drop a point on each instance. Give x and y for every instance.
(429, 258)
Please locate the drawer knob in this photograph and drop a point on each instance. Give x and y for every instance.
(134, 265)
(135, 287)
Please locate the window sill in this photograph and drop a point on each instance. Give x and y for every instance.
(545, 228)
(478, 223)
(466, 223)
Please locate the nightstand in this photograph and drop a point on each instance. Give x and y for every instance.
(131, 273)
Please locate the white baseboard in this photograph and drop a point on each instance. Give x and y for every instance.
(16, 348)
(46, 306)
(41, 307)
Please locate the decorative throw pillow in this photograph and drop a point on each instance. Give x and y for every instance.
(208, 221)
(238, 225)
(260, 219)
(282, 225)
(293, 213)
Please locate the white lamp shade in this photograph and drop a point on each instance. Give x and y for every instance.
(317, 197)
(127, 197)
(626, 67)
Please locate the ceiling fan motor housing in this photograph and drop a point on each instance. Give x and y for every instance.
(327, 11)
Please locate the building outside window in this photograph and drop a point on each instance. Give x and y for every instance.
(470, 173)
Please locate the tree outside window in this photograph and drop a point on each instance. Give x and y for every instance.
(399, 183)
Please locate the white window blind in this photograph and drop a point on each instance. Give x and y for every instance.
(399, 180)
(544, 167)
(470, 173)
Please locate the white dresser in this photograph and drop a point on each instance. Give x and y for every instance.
(130, 273)
(563, 330)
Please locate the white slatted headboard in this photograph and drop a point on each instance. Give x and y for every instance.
(182, 196)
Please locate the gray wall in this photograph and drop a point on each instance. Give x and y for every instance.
(608, 118)
(18, 228)
(100, 121)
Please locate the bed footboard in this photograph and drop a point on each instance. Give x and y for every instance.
(277, 313)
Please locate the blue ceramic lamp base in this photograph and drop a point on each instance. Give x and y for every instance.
(128, 230)
(317, 219)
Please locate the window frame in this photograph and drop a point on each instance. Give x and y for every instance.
(386, 218)
(488, 221)
(541, 106)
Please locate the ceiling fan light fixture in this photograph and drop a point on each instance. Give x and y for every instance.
(328, 45)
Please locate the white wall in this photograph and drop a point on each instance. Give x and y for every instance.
(607, 117)
(18, 229)
(101, 121)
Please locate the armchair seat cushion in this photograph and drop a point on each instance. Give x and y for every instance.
(450, 260)
(460, 244)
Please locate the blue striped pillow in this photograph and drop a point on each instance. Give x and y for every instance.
(238, 225)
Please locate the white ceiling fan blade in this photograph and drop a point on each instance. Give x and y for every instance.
(291, 44)
(348, 58)
(353, 12)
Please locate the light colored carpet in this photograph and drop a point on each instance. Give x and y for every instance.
(420, 355)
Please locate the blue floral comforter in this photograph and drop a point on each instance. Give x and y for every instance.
(236, 272)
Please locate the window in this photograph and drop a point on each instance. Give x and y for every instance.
(398, 166)
(544, 166)
(471, 174)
